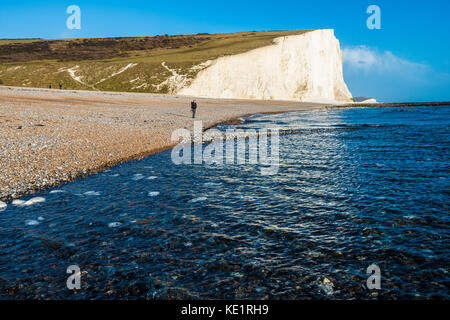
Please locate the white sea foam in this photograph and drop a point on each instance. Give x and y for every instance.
(114, 175)
(17, 203)
(33, 201)
(138, 176)
(197, 199)
(114, 224)
(56, 191)
(31, 222)
(2, 206)
(92, 193)
(41, 219)
(152, 178)
(153, 194)
(212, 184)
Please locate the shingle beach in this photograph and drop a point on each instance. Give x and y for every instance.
(48, 137)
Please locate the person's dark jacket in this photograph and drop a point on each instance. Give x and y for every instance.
(193, 105)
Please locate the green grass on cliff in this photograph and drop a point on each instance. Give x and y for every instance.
(147, 74)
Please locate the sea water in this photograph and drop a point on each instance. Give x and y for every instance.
(355, 187)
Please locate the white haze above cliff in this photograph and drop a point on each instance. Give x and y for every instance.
(389, 77)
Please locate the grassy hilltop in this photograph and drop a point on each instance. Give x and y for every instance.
(136, 64)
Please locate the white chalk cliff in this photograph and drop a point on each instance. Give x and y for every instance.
(306, 67)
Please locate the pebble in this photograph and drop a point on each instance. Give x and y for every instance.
(327, 286)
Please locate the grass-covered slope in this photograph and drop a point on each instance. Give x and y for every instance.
(158, 64)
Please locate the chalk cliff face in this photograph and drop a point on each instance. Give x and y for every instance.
(305, 67)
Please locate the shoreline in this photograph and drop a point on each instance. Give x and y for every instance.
(116, 162)
(86, 115)
(391, 105)
(51, 137)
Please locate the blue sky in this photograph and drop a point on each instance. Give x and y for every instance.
(408, 59)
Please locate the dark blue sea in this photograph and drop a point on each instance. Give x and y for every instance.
(354, 187)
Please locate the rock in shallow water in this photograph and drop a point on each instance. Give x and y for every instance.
(327, 286)
(2, 206)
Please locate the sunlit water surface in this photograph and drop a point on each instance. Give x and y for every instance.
(354, 187)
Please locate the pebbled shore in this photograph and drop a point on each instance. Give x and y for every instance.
(48, 137)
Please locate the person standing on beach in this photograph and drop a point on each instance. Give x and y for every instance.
(193, 108)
